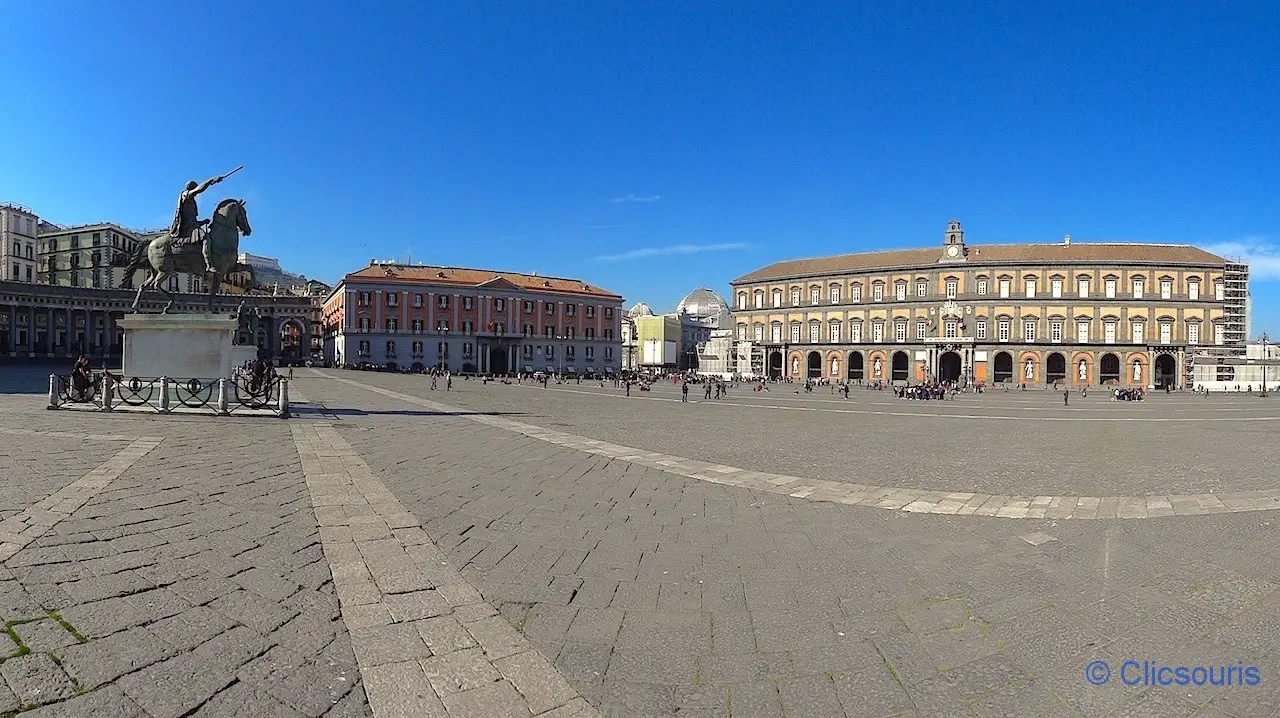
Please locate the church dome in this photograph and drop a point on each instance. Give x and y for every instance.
(703, 302)
(640, 310)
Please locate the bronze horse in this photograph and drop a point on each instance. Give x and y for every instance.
(164, 255)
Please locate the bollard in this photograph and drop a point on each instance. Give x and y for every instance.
(108, 391)
(222, 397)
(53, 391)
(164, 395)
(283, 409)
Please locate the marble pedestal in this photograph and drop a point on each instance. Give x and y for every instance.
(179, 346)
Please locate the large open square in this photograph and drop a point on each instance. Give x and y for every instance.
(509, 549)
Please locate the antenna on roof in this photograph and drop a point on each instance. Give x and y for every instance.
(1066, 239)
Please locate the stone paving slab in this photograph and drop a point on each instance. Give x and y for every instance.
(687, 596)
(426, 641)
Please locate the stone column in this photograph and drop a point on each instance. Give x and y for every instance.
(49, 330)
(13, 329)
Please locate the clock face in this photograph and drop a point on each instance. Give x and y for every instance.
(953, 250)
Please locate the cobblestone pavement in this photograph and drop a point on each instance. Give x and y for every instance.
(656, 593)
(201, 582)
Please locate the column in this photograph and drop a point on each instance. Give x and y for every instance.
(49, 329)
(13, 329)
(457, 308)
(431, 312)
(377, 310)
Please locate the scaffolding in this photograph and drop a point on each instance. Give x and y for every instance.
(1235, 305)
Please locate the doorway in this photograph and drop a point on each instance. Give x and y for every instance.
(949, 367)
(901, 365)
(856, 368)
(498, 361)
(1109, 368)
(775, 365)
(814, 365)
(1166, 372)
(1003, 370)
(1055, 366)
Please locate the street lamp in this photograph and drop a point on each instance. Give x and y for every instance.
(1264, 363)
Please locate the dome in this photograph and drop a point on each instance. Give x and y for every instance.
(640, 310)
(703, 302)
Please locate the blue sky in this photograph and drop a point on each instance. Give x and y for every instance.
(652, 148)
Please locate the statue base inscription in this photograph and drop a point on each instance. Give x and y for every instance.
(179, 346)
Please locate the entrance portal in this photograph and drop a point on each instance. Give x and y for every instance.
(1109, 368)
(1055, 367)
(901, 364)
(814, 363)
(949, 367)
(775, 365)
(1166, 371)
(856, 369)
(498, 360)
(1003, 370)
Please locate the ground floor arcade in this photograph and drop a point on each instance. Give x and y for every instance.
(1152, 367)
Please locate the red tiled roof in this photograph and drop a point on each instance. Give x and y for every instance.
(463, 277)
(988, 254)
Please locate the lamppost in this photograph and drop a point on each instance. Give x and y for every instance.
(1264, 363)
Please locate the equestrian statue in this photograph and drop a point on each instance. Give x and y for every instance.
(200, 246)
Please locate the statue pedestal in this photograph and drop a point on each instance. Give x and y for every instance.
(179, 346)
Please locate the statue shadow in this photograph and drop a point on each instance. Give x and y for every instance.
(406, 412)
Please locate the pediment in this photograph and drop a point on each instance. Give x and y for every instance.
(499, 283)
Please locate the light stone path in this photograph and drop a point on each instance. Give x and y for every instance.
(425, 640)
(17, 532)
(879, 497)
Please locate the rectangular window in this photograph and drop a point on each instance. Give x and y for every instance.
(1193, 290)
(548, 332)
(952, 288)
(364, 348)
(982, 287)
(1138, 333)
(608, 353)
(1002, 330)
(815, 295)
(570, 309)
(1082, 287)
(899, 331)
(1193, 333)
(759, 300)
(900, 291)
(391, 324)
(1055, 332)
(417, 326)
(759, 332)
(982, 329)
(742, 332)
(467, 302)
(391, 349)
(442, 325)
(528, 307)
(1218, 290)
(528, 330)
(444, 301)
(921, 288)
(417, 349)
(855, 294)
(1029, 330)
(742, 300)
(608, 312)
(795, 297)
(1219, 334)
(551, 351)
(1138, 287)
(467, 326)
(795, 333)
(1004, 289)
(591, 353)
(1109, 333)
(417, 301)
(877, 292)
(920, 330)
(877, 332)
(1082, 332)
(1110, 292)
(1166, 289)
(855, 332)
(569, 332)
(951, 329)
(777, 297)
(1031, 288)
(526, 351)
(835, 295)
(1055, 288)
(393, 299)
(501, 305)
(1166, 333)
(835, 332)
(775, 333)
(550, 309)
(815, 331)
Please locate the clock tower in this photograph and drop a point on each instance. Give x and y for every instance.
(953, 249)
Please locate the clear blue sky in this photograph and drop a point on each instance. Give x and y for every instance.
(650, 148)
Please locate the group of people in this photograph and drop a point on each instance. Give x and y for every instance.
(926, 392)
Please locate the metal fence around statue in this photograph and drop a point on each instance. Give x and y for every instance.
(136, 391)
(78, 389)
(195, 393)
(256, 391)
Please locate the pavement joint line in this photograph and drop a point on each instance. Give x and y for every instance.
(14, 431)
(389, 606)
(908, 500)
(20, 530)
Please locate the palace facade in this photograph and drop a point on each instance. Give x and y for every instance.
(471, 320)
(1041, 314)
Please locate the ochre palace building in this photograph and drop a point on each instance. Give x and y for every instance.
(1070, 313)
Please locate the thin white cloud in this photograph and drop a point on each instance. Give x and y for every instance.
(1262, 254)
(646, 252)
(637, 198)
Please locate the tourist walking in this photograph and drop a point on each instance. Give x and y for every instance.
(1066, 397)
(684, 391)
(433, 382)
